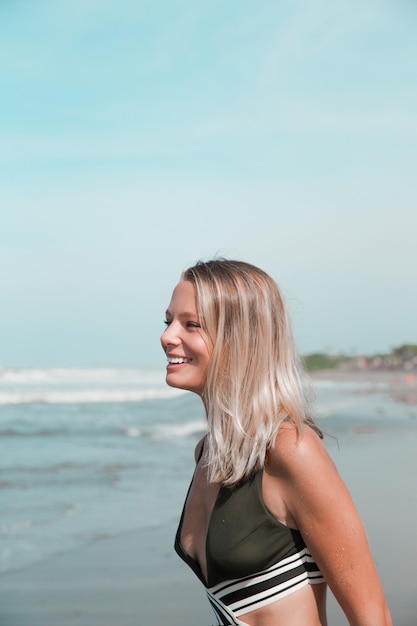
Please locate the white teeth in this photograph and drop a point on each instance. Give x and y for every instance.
(177, 360)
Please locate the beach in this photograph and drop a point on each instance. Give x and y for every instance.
(129, 575)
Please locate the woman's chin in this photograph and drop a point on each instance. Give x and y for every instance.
(171, 382)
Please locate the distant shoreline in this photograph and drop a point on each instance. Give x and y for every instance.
(401, 384)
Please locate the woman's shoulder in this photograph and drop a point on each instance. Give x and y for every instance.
(296, 451)
(321, 507)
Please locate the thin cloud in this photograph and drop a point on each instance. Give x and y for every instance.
(312, 30)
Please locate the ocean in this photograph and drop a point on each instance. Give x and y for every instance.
(98, 453)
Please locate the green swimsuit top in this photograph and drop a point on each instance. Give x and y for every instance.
(252, 558)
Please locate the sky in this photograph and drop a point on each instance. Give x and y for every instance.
(139, 137)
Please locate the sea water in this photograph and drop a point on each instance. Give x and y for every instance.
(94, 453)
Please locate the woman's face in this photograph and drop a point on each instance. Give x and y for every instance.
(187, 347)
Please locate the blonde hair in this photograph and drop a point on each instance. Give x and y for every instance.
(255, 380)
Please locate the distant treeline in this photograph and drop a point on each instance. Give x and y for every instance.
(406, 353)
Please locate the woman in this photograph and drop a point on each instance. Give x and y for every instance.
(267, 523)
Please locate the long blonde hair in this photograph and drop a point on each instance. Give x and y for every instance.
(255, 380)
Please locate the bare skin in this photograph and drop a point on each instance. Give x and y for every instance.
(303, 490)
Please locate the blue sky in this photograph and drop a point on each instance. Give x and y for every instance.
(138, 137)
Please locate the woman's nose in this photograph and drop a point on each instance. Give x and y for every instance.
(169, 337)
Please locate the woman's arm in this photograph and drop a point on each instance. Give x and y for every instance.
(318, 502)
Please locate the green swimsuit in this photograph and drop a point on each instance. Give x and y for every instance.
(252, 559)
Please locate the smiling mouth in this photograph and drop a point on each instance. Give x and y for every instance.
(177, 360)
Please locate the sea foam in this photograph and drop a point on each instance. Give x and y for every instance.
(82, 386)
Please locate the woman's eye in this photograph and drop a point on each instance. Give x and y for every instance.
(167, 322)
(193, 325)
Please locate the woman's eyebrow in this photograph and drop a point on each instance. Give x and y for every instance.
(183, 314)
